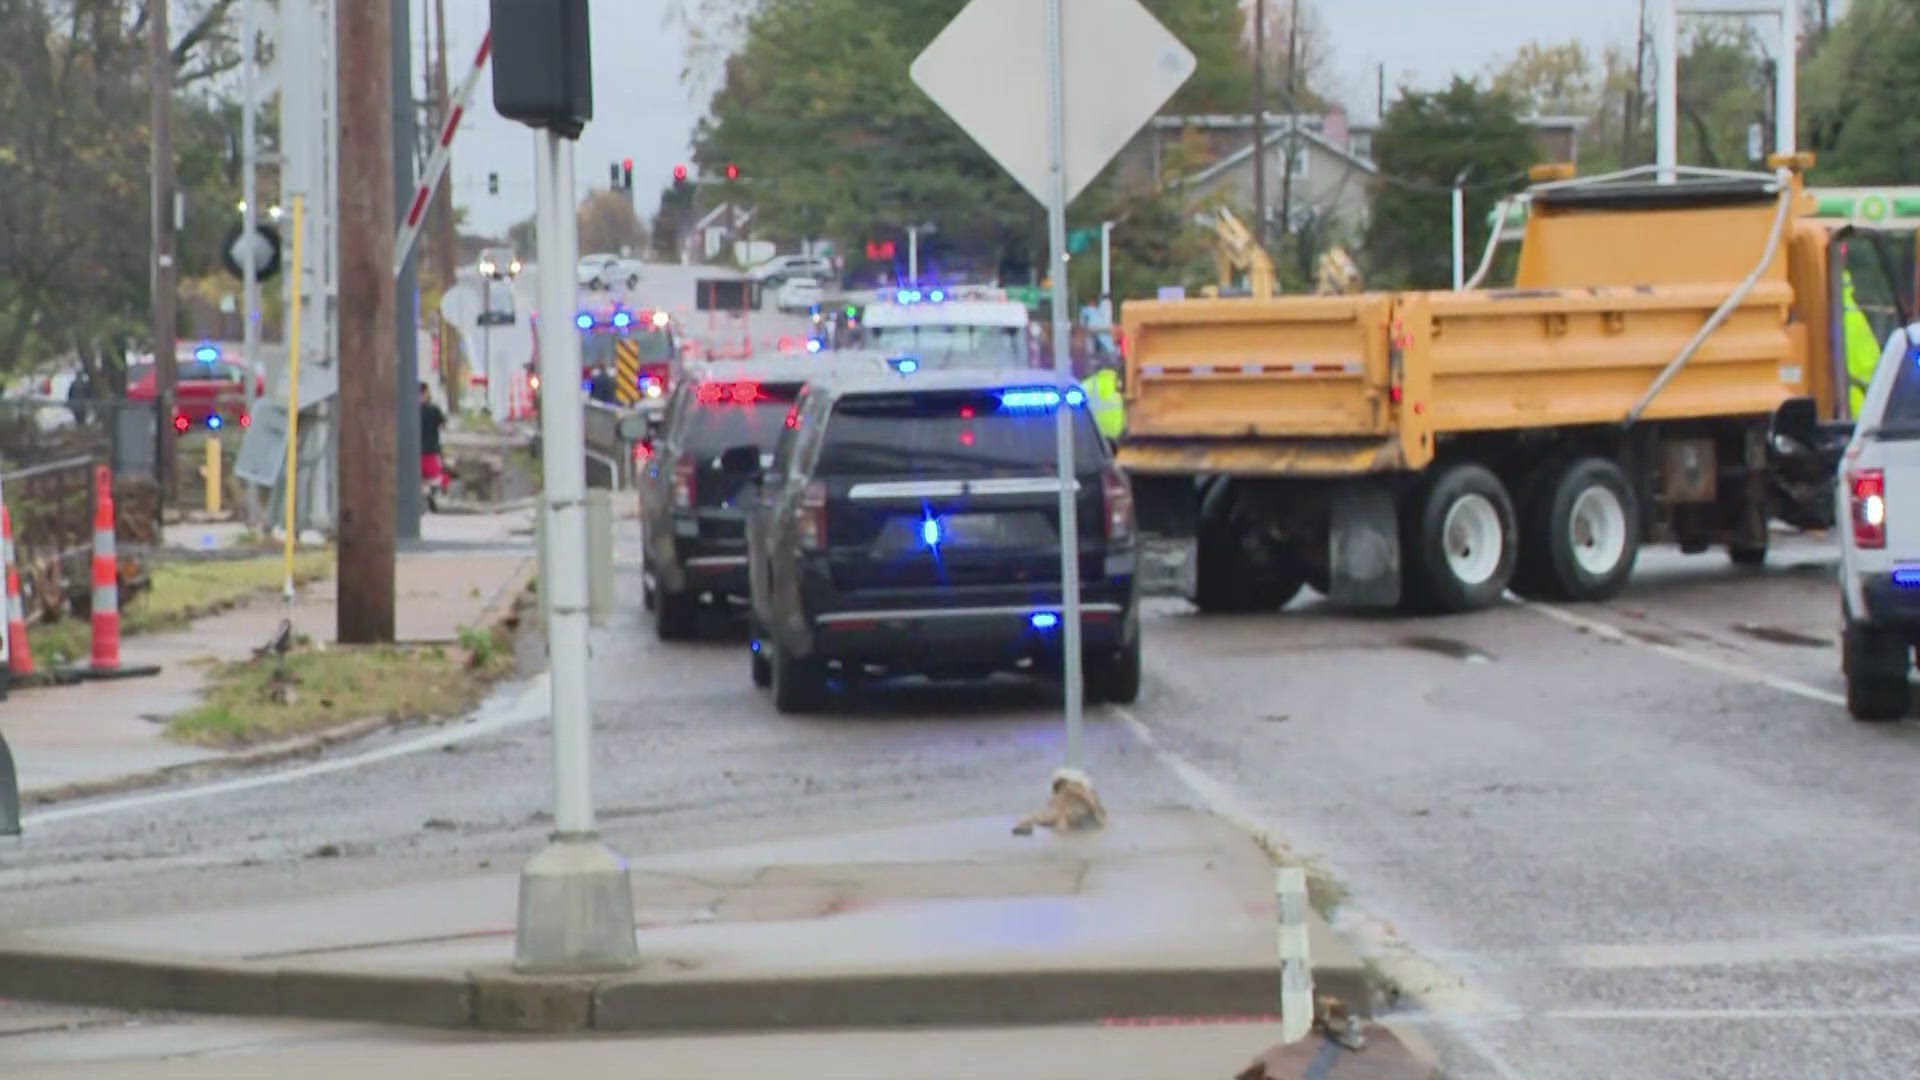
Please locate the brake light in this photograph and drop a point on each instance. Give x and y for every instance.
(812, 524)
(643, 450)
(683, 485)
(1118, 497)
(1869, 489)
(739, 393)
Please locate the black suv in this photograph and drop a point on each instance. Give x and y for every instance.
(694, 531)
(911, 525)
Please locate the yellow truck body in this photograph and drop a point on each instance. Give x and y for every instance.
(1611, 287)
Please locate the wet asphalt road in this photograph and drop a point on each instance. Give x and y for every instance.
(1637, 839)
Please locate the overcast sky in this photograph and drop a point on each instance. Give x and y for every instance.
(643, 111)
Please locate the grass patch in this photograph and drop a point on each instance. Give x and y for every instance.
(311, 688)
(182, 592)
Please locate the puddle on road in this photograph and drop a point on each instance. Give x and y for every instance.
(1448, 647)
(1781, 636)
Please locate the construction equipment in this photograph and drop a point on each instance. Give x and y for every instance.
(1337, 274)
(1236, 249)
(1659, 372)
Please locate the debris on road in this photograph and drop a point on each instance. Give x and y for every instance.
(1074, 806)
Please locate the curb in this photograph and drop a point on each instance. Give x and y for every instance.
(497, 999)
(495, 614)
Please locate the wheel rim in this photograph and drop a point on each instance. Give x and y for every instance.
(1597, 531)
(1473, 539)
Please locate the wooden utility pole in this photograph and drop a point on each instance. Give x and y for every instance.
(1293, 123)
(446, 255)
(364, 611)
(165, 361)
(1260, 122)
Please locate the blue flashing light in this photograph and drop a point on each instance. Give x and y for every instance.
(1030, 399)
(813, 345)
(930, 532)
(755, 646)
(213, 422)
(1076, 398)
(207, 354)
(1907, 577)
(622, 319)
(1044, 620)
(907, 365)
(938, 295)
(583, 320)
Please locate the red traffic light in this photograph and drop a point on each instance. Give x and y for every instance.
(627, 164)
(733, 171)
(679, 172)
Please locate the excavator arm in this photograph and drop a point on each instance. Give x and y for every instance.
(1236, 249)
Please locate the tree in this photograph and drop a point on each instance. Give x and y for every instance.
(835, 141)
(1301, 64)
(607, 223)
(1425, 141)
(1861, 101)
(1549, 80)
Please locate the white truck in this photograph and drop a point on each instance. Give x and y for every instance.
(934, 327)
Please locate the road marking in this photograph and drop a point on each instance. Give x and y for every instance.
(1443, 992)
(1742, 672)
(1853, 1012)
(530, 704)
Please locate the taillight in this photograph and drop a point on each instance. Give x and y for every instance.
(1118, 496)
(683, 485)
(1869, 488)
(812, 519)
(643, 450)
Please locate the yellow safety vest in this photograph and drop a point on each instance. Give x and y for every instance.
(1103, 397)
(1863, 348)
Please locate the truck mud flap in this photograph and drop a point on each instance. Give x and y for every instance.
(9, 793)
(1363, 545)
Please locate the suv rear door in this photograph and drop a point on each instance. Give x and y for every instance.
(937, 490)
(718, 417)
(1887, 458)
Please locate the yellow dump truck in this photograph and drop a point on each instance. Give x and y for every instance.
(1663, 369)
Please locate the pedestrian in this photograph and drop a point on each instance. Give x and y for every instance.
(433, 470)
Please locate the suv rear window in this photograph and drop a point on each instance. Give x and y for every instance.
(949, 434)
(723, 415)
(1902, 416)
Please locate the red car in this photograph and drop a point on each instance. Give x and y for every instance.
(207, 389)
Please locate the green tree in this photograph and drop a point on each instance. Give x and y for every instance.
(1861, 101)
(1425, 141)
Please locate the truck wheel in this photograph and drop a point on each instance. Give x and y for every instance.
(1115, 678)
(762, 671)
(1581, 535)
(1460, 543)
(674, 615)
(798, 685)
(1876, 665)
(1226, 578)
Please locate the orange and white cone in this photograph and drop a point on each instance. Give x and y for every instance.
(19, 650)
(106, 590)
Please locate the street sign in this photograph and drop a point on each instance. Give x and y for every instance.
(263, 250)
(1080, 240)
(988, 70)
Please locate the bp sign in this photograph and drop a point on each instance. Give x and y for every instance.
(263, 251)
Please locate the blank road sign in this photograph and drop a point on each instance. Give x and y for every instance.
(988, 70)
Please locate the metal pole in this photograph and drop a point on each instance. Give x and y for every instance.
(1260, 122)
(445, 244)
(1666, 126)
(1063, 370)
(249, 218)
(486, 340)
(165, 362)
(1460, 232)
(562, 434)
(1106, 260)
(1786, 79)
(913, 254)
(406, 305)
(291, 498)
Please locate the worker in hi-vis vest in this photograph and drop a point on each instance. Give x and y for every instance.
(1863, 348)
(1103, 399)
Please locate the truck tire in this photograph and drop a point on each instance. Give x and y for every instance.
(1876, 664)
(1114, 678)
(757, 647)
(1226, 579)
(674, 615)
(1460, 543)
(799, 685)
(1580, 533)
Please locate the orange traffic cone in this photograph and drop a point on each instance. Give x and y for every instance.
(106, 590)
(19, 649)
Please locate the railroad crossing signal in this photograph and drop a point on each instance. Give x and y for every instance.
(626, 359)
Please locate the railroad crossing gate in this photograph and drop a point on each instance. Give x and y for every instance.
(626, 362)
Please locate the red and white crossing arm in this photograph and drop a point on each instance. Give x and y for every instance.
(437, 161)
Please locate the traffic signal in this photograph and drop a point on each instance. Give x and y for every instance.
(626, 174)
(493, 183)
(680, 174)
(733, 171)
(613, 173)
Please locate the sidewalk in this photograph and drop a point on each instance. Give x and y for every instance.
(1165, 914)
(100, 736)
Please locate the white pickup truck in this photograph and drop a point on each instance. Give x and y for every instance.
(1879, 519)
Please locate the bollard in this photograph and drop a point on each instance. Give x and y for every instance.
(540, 564)
(599, 556)
(213, 475)
(19, 649)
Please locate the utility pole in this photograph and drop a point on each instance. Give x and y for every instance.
(165, 361)
(250, 219)
(406, 300)
(363, 52)
(1260, 122)
(1636, 101)
(445, 243)
(1293, 122)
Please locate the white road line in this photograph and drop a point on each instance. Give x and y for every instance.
(1729, 668)
(1443, 992)
(529, 704)
(1853, 1012)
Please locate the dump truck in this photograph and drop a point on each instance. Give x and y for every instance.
(1664, 369)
